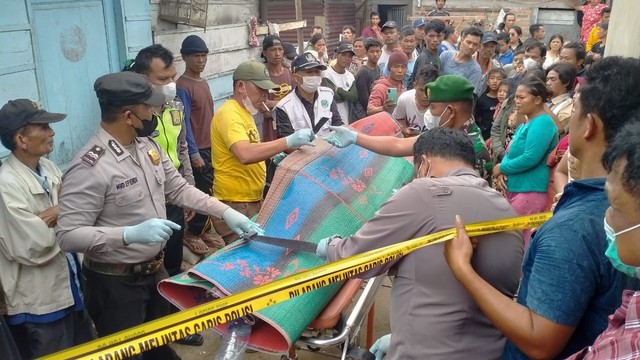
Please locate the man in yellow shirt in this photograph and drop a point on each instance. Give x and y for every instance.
(605, 15)
(238, 154)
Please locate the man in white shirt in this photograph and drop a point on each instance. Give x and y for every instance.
(414, 103)
(391, 33)
(341, 81)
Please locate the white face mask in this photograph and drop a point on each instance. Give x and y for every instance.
(431, 121)
(169, 91)
(246, 102)
(311, 83)
(530, 64)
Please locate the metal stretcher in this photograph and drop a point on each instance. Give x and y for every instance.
(331, 329)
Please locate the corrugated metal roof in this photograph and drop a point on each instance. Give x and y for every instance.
(280, 11)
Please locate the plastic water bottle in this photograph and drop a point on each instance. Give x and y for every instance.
(235, 339)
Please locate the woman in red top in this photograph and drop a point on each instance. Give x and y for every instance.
(592, 10)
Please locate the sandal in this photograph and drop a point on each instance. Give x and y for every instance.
(212, 242)
(195, 244)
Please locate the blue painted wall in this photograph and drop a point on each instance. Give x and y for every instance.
(51, 51)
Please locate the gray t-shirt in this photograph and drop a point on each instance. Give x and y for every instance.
(432, 315)
(469, 69)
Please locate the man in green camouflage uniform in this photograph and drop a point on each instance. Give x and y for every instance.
(450, 105)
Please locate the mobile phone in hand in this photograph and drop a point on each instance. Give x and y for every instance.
(392, 94)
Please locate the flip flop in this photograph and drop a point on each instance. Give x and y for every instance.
(195, 244)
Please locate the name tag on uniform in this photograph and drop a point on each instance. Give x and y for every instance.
(125, 184)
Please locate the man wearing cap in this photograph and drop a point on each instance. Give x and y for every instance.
(238, 154)
(391, 33)
(45, 307)
(378, 99)
(418, 28)
(290, 53)
(112, 208)
(309, 106)
(432, 316)
(450, 105)
(341, 81)
(429, 56)
(156, 62)
(273, 57)
(462, 62)
(485, 57)
(198, 110)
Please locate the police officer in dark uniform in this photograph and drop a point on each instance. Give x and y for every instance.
(112, 208)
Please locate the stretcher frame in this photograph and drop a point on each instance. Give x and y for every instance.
(348, 331)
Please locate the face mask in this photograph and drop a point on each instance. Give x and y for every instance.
(420, 168)
(286, 63)
(311, 83)
(169, 91)
(530, 64)
(246, 102)
(148, 126)
(431, 121)
(612, 251)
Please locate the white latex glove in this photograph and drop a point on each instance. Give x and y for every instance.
(381, 347)
(299, 138)
(321, 250)
(149, 231)
(341, 136)
(239, 223)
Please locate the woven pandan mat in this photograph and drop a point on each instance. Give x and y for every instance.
(316, 192)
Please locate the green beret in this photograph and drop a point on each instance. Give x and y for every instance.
(450, 88)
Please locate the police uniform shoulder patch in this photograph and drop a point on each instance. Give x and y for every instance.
(115, 147)
(91, 157)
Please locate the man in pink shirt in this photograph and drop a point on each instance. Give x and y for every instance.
(374, 30)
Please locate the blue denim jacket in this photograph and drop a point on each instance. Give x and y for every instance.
(566, 276)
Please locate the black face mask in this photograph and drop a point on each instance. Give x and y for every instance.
(148, 126)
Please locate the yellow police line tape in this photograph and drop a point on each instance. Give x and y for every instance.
(190, 321)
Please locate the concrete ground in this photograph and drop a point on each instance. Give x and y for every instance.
(212, 339)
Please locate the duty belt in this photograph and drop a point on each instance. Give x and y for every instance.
(144, 268)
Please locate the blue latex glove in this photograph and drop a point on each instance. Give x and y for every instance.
(299, 138)
(323, 245)
(277, 158)
(149, 231)
(381, 347)
(341, 136)
(239, 223)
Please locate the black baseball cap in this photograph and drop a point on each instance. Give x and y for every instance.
(271, 40)
(489, 36)
(126, 88)
(306, 61)
(390, 24)
(289, 50)
(21, 112)
(345, 47)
